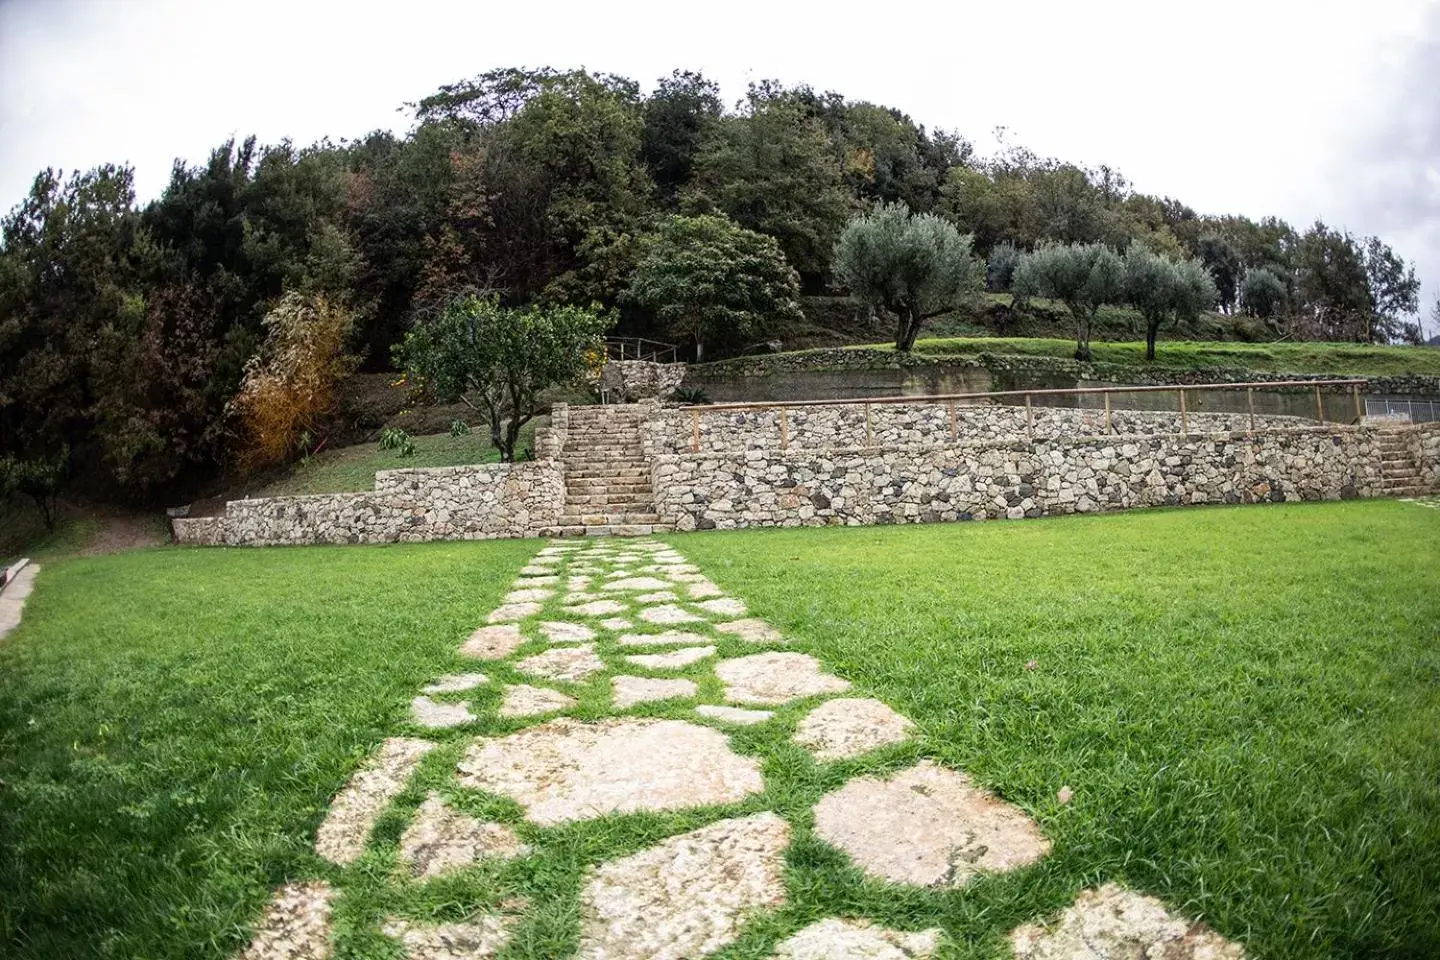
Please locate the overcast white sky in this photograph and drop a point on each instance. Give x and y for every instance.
(1300, 108)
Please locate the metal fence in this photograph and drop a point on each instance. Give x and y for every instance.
(1419, 411)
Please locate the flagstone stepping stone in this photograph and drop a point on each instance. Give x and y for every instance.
(578, 584)
(493, 643)
(723, 606)
(345, 830)
(295, 926)
(549, 580)
(753, 629)
(638, 583)
(597, 608)
(428, 713)
(685, 897)
(582, 596)
(1112, 922)
(455, 682)
(529, 595)
(616, 623)
(668, 613)
(772, 678)
(484, 937)
(682, 576)
(673, 660)
(510, 612)
(558, 631)
(927, 826)
(659, 596)
(733, 714)
(536, 570)
(701, 589)
(847, 727)
(661, 639)
(628, 691)
(835, 939)
(523, 700)
(565, 770)
(566, 664)
(441, 840)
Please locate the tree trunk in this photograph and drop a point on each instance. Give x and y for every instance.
(699, 350)
(1151, 329)
(909, 331)
(1082, 338)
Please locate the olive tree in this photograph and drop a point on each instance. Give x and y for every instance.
(1083, 276)
(1262, 293)
(1162, 289)
(911, 267)
(498, 360)
(709, 280)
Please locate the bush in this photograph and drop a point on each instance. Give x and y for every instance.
(289, 390)
(690, 396)
(1000, 268)
(393, 438)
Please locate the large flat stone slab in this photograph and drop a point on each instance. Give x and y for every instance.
(736, 715)
(528, 595)
(441, 840)
(668, 613)
(596, 608)
(686, 897)
(752, 629)
(628, 691)
(773, 678)
(836, 939)
(847, 727)
(674, 660)
(566, 664)
(482, 937)
(560, 631)
(493, 642)
(665, 639)
(511, 612)
(639, 584)
(927, 826)
(1112, 923)
(567, 770)
(523, 700)
(437, 715)
(295, 926)
(345, 830)
(723, 607)
(455, 682)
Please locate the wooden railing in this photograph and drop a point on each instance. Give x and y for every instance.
(952, 399)
(639, 348)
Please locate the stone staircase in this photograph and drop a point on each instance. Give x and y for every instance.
(1400, 474)
(607, 476)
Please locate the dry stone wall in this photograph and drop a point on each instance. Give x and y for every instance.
(915, 426)
(1425, 450)
(1011, 479)
(445, 503)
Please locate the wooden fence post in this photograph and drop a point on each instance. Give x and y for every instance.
(1319, 405)
(1107, 415)
(1029, 418)
(1184, 414)
(1359, 412)
(1250, 399)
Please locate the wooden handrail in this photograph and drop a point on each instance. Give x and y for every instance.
(1049, 392)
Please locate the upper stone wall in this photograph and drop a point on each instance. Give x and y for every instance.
(481, 502)
(916, 426)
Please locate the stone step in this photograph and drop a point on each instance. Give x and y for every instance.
(570, 519)
(605, 530)
(586, 487)
(611, 499)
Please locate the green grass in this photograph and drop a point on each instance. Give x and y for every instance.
(353, 468)
(1244, 701)
(1341, 359)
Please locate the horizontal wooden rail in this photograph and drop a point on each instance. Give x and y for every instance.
(1049, 392)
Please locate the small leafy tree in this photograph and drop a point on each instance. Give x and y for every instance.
(1262, 293)
(910, 267)
(289, 388)
(709, 280)
(498, 360)
(1000, 269)
(40, 478)
(1084, 276)
(1162, 289)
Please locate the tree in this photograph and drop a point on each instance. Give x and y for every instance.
(476, 351)
(773, 171)
(1223, 261)
(709, 280)
(680, 113)
(1085, 276)
(1161, 289)
(1000, 268)
(1394, 289)
(1331, 297)
(1262, 293)
(912, 267)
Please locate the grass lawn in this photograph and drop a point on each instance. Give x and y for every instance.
(353, 468)
(1341, 359)
(1243, 700)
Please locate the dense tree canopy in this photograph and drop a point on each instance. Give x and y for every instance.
(126, 330)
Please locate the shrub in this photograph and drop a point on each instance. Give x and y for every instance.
(393, 438)
(1000, 268)
(690, 396)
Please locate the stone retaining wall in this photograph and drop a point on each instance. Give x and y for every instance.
(914, 426)
(973, 481)
(482, 502)
(1425, 450)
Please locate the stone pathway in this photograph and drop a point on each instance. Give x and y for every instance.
(660, 668)
(12, 597)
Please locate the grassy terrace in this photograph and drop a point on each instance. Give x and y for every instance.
(1243, 700)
